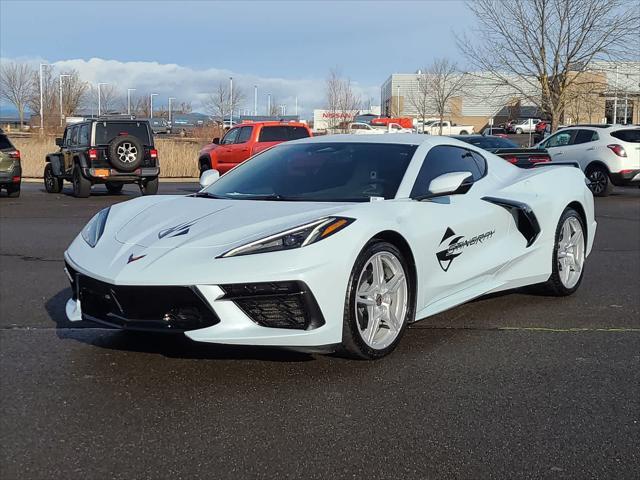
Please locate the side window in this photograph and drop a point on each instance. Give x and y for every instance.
(244, 135)
(230, 137)
(67, 136)
(585, 136)
(84, 135)
(560, 139)
(480, 162)
(74, 135)
(443, 159)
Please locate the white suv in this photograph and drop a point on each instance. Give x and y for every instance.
(608, 154)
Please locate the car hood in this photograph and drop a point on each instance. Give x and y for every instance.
(203, 222)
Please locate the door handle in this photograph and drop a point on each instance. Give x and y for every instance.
(591, 148)
(558, 153)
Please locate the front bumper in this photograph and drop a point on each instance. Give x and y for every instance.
(310, 316)
(625, 177)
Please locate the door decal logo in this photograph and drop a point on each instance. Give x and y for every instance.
(452, 246)
(132, 258)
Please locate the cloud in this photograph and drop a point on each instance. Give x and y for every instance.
(188, 84)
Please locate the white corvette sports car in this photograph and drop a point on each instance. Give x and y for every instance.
(336, 241)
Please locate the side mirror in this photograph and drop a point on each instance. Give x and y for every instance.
(450, 184)
(208, 177)
(59, 142)
(216, 141)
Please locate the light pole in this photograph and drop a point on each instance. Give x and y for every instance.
(398, 100)
(129, 90)
(60, 86)
(42, 98)
(255, 100)
(100, 99)
(151, 104)
(170, 98)
(615, 100)
(268, 104)
(230, 102)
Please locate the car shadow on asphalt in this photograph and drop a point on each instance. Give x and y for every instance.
(173, 345)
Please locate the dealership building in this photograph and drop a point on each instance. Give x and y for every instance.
(607, 88)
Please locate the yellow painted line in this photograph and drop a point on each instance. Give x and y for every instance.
(561, 330)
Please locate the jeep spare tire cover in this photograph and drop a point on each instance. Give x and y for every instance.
(125, 153)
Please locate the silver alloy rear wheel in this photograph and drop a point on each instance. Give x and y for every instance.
(382, 300)
(570, 253)
(127, 152)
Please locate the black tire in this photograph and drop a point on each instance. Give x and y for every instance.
(599, 182)
(114, 188)
(149, 187)
(81, 185)
(554, 285)
(353, 345)
(52, 184)
(126, 153)
(519, 131)
(205, 164)
(13, 191)
(464, 132)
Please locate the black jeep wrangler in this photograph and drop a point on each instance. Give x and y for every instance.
(104, 150)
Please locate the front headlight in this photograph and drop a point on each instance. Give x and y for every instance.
(293, 238)
(94, 229)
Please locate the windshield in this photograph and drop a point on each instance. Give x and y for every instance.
(323, 172)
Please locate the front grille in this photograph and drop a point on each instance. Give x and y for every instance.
(277, 304)
(142, 307)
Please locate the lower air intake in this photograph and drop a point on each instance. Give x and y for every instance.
(277, 304)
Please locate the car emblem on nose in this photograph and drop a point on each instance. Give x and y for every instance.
(176, 231)
(133, 258)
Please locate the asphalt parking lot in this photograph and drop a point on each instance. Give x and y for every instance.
(512, 386)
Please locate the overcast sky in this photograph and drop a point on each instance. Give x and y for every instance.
(183, 49)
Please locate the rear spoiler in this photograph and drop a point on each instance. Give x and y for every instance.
(553, 164)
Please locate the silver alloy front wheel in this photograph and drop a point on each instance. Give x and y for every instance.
(382, 300)
(570, 256)
(127, 152)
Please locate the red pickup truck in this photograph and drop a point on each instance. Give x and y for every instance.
(245, 140)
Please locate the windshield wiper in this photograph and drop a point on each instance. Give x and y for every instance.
(208, 195)
(269, 196)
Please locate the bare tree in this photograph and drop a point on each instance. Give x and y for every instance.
(420, 98)
(342, 101)
(444, 82)
(50, 114)
(110, 98)
(184, 107)
(16, 85)
(220, 104)
(274, 108)
(74, 92)
(541, 48)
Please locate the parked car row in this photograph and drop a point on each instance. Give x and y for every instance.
(115, 152)
(608, 154)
